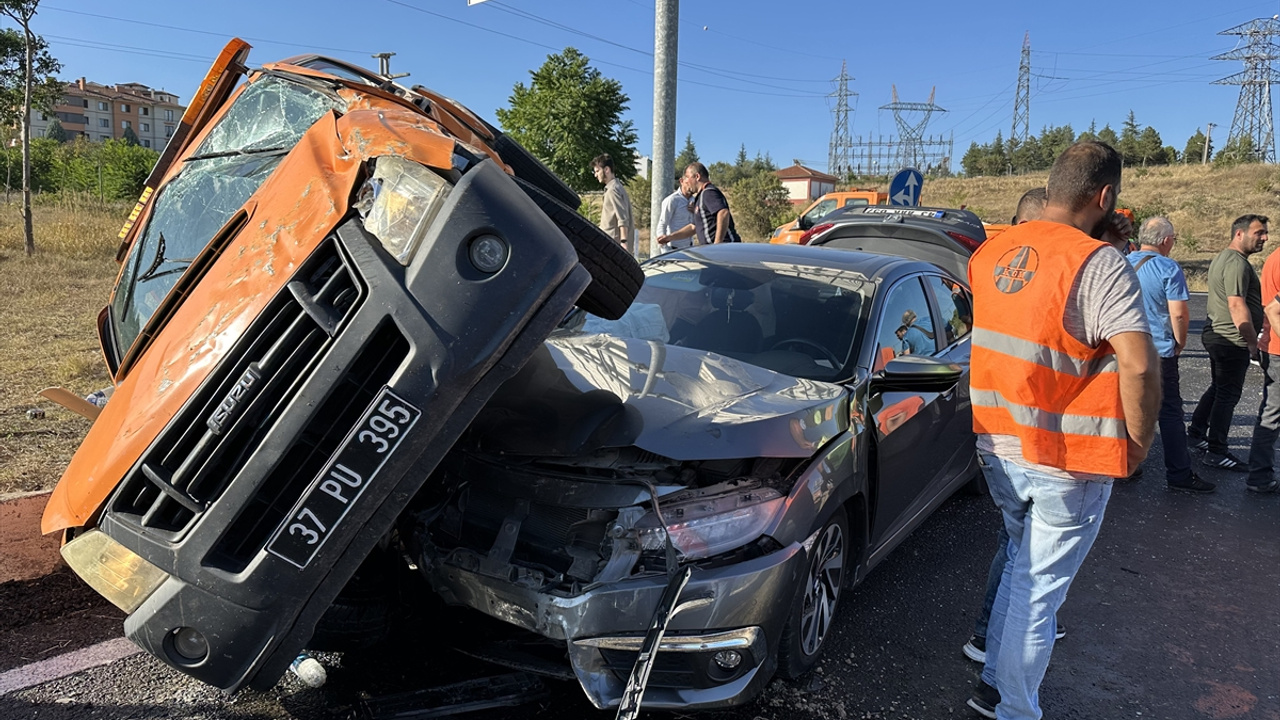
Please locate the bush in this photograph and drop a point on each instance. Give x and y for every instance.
(759, 204)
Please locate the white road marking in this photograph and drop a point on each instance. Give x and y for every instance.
(63, 665)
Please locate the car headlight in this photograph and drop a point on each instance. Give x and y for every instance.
(115, 571)
(707, 526)
(398, 203)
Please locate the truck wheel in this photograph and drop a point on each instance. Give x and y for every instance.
(360, 616)
(615, 275)
(814, 606)
(531, 170)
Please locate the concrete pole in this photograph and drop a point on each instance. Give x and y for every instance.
(666, 35)
(1204, 156)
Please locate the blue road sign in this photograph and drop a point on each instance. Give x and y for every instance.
(905, 188)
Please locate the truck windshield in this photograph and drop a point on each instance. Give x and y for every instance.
(237, 156)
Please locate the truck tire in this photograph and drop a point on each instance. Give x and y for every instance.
(531, 170)
(361, 615)
(615, 275)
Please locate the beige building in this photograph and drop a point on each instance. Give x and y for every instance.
(103, 112)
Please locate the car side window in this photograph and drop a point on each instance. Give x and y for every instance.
(906, 326)
(820, 209)
(955, 308)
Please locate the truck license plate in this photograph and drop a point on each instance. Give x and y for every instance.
(344, 478)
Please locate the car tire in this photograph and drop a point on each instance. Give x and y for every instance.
(361, 615)
(816, 600)
(615, 275)
(531, 170)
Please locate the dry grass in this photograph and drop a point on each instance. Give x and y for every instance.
(1200, 200)
(48, 309)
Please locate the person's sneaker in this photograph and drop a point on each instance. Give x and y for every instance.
(1194, 484)
(1226, 461)
(1270, 487)
(1135, 475)
(1197, 443)
(984, 700)
(1061, 632)
(976, 649)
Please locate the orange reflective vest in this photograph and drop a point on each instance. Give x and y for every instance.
(1029, 377)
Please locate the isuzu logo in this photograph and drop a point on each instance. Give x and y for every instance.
(236, 400)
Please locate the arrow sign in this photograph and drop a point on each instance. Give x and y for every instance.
(905, 187)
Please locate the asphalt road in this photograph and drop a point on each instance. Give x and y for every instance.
(1174, 615)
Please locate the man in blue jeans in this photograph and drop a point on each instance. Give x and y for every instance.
(1065, 388)
(1164, 297)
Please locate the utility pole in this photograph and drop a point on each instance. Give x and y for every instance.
(1253, 118)
(1208, 137)
(838, 161)
(666, 53)
(911, 127)
(1022, 102)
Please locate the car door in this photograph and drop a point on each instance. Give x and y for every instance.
(906, 425)
(953, 308)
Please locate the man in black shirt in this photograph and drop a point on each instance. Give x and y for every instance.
(712, 220)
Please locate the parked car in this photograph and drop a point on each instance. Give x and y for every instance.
(943, 236)
(756, 418)
(326, 277)
(790, 233)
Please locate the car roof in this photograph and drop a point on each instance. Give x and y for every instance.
(942, 236)
(873, 266)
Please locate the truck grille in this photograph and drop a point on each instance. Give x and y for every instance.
(311, 449)
(202, 450)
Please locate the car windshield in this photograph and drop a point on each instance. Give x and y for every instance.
(237, 156)
(799, 320)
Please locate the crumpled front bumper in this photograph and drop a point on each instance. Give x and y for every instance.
(741, 607)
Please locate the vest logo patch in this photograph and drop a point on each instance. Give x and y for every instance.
(1016, 269)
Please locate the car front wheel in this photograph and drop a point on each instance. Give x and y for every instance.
(813, 608)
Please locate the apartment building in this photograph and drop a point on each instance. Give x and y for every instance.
(103, 112)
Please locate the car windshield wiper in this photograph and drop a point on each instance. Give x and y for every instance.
(152, 274)
(229, 153)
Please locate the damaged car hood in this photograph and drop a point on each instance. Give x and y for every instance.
(583, 393)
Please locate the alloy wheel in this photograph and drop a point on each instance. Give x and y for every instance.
(822, 589)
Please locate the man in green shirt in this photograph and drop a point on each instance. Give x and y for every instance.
(1230, 338)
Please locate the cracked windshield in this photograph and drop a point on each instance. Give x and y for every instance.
(238, 155)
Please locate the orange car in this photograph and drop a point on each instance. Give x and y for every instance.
(326, 277)
(790, 233)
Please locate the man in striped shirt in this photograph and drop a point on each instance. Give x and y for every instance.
(712, 220)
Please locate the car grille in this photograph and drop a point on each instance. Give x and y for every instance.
(197, 456)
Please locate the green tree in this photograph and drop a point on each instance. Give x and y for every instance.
(1150, 148)
(638, 189)
(1236, 152)
(1193, 152)
(1090, 134)
(759, 204)
(130, 137)
(27, 82)
(125, 168)
(1128, 145)
(55, 131)
(1053, 141)
(568, 114)
(1108, 136)
(688, 154)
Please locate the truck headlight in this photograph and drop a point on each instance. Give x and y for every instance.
(707, 526)
(115, 571)
(398, 203)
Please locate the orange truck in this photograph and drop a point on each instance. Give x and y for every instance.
(790, 233)
(326, 277)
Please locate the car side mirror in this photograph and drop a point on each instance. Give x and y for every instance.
(919, 373)
(804, 222)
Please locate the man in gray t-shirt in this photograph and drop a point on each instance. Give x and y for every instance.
(1230, 338)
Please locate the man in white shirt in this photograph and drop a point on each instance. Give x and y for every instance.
(675, 215)
(616, 219)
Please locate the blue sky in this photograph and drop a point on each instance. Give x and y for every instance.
(752, 72)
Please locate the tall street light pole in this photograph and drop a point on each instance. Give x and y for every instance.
(666, 34)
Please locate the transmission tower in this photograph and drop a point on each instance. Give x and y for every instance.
(1253, 118)
(912, 118)
(1022, 102)
(838, 156)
